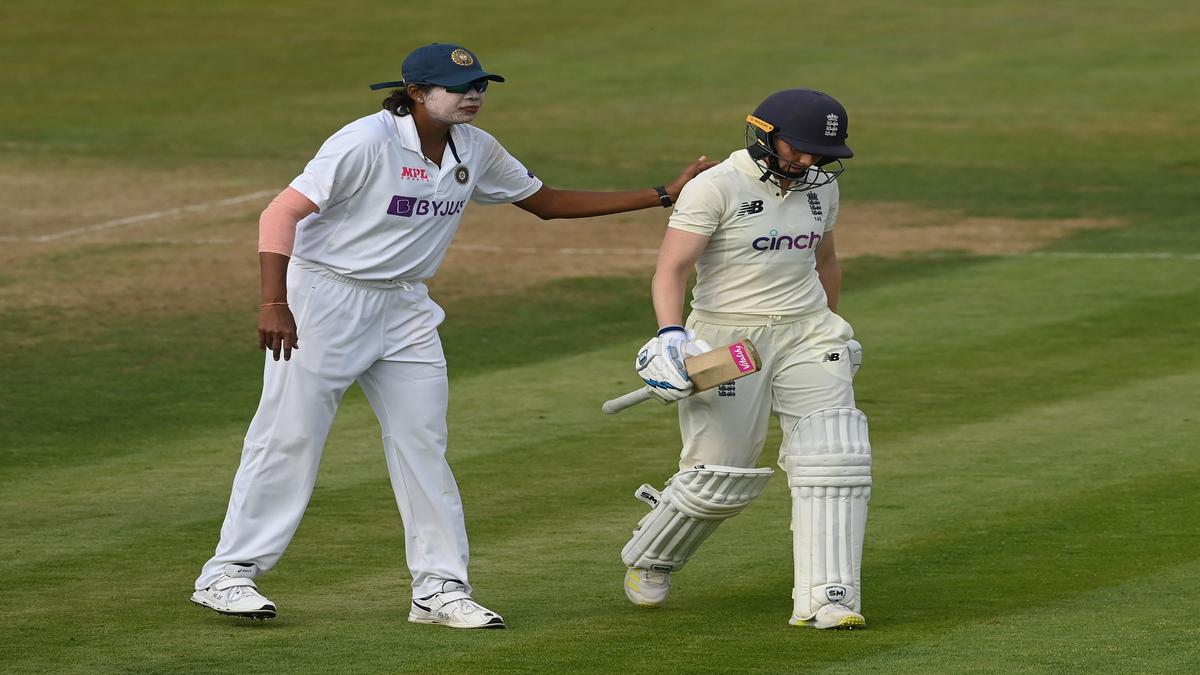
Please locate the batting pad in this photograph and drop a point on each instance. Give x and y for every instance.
(689, 510)
(828, 463)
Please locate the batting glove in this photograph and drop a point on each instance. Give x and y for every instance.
(695, 346)
(660, 364)
(855, 356)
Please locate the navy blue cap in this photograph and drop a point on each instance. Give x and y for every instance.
(443, 64)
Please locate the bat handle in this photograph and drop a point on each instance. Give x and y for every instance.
(620, 403)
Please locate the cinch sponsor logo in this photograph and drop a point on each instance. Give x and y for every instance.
(409, 173)
(740, 358)
(774, 241)
(411, 206)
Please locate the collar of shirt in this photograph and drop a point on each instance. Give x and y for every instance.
(406, 126)
(740, 159)
(742, 162)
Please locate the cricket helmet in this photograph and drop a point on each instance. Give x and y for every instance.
(810, 121)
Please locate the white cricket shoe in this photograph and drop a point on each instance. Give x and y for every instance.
(453, 608)
(647, 588)
(235, 594)
(833, 616)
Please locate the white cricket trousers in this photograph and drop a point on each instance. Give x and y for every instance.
(805, 367)
(384, 335)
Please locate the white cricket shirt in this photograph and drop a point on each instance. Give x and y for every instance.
(387, 212)
(761, 253)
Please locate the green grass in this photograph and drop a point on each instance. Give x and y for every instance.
(1025, 495)
(1033, 419)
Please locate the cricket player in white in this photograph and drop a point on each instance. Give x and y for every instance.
(759, 230)
(345, 251)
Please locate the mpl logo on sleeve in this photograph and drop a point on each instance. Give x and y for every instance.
(741, 358)
(406, 207)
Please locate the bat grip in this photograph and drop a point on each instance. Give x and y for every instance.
(620, 403)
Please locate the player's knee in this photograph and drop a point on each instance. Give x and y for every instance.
(837, 430)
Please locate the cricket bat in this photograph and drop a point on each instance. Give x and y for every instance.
(706, 371)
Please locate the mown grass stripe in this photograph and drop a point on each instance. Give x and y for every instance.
(560, 529)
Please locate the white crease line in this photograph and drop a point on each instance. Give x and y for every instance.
(1073, 255)
(132, 220)
(483, 248)
(155, 240)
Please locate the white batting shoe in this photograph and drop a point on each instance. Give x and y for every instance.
(833, 617)
(454, 608)
(235, 594)
(647, 588)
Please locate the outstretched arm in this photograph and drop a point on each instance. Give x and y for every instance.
(549, 202)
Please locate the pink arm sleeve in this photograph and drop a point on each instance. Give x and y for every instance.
(277, 224)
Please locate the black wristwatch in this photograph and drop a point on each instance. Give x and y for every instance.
(663, 197)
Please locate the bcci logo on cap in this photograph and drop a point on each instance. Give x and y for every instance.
(462, 57)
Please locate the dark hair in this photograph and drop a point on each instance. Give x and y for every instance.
(399, 102)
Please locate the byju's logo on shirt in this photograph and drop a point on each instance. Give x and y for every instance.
(774, 241)
(747, 208)
(411, 206)
(410, 173)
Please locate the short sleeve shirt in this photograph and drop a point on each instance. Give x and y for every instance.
(388, 212)
(761, 252)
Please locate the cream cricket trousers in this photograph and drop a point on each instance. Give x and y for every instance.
(805, 367)
(384, 335)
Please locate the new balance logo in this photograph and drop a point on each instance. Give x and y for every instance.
(833, 356)
(747, 208)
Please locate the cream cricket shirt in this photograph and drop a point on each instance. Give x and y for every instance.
(760, 257)
(387, 212)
